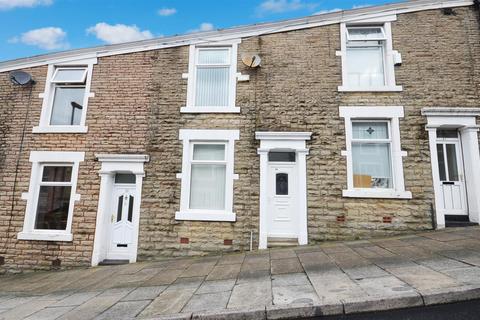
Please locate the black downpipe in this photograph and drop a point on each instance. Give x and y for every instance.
(476, 3)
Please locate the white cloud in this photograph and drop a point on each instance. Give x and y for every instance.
(49, 38)
(361, 6)
(167, 12)
(328, 11)
(118, 33)
(10, 4)
(279, 6)
(205, 26)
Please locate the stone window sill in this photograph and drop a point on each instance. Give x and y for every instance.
(60, 129)
(190, 109)
(377, 194)
(373, 89)
(43, 236)
(206, 216)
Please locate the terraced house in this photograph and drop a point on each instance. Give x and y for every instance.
(337, 126)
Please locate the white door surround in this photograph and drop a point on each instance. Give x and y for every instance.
(464, 120)
(111, 165)
(289, 142)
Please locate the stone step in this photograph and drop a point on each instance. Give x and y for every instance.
(282, 242)
(111, 262)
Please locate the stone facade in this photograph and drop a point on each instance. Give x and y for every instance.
(136, 109)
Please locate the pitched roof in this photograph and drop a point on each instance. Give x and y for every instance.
(235, 32)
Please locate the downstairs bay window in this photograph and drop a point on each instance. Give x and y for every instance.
(374, 156)
(207, 175)
(51, 196)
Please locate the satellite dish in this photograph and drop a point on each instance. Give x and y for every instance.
(21, 78)
(251, 60)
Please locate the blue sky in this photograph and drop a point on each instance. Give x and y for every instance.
(31, 27)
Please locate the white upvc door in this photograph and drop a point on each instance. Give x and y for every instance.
(122, 220)
(282, 201)
(452, 179)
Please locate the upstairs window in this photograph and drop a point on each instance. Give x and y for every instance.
(65, 98)
(212, 78)
(368, 58)
(365, 57)
(68, 97)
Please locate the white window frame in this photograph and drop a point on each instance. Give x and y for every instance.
(39, 160)
(189, 139)
(392, 114)
(49, 94)
(232, 46)
(391, 57)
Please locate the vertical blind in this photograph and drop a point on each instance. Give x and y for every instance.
(212, 77)
(208, 177)
(365, 67)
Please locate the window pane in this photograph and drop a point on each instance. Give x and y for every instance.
(372, 167)
(441, 162)
(130, 208)
(281, 156)
(69, 75)
(212, 87)
(207, 187)
(56, 174)
(216, 56)
(119, 208)
(452, 162)
(52, 208)
(365, 33)
(125, 178)
(281, 181)
(370, 130)
(214, 152)
(67, 106)
(365, 67)
(447, 133)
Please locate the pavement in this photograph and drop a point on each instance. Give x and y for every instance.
(333, 278)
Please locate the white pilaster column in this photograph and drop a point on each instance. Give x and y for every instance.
(262, 234)
(439, 214)
(302, 197)
(471, 159)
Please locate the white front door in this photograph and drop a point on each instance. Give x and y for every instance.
(452, 181)
(122, 222)
(282, 201)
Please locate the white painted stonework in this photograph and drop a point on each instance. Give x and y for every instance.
(295, 214)
(464, 120)
(111, 165)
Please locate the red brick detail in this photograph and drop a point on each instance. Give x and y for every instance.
(387, 219)
(184, 240)
(227, 242)
(340, 218)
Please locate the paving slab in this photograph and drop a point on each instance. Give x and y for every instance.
(24, 310)
(333, 286)
(282, 254)
(124, 310)
(232, 259)
(12, 303)
(304, 294)
(465, 275)
(421, 277)
(252, 294)
(367, 271)
(207, 301)
(439, 263)
(253, 275)
(290, 279)
(49, 313)
(291, 265)
(348, 259)
(76, 299)
(165, 277)
(386, 286)
(362, 304)
(222, 272)
(168, 302)
(216, 286)
(144, 293)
